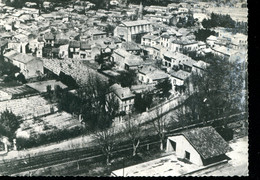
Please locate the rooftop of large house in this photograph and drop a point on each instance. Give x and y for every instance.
(75, 44)
(84, 45)
(122, 52)
(182, 75)
(149, 36)
(122, 93)
(201, 64)
(207, 142)
(224, 50)
(130, 46)
(212, 38)
(135, 23)
(23, 58)
(176, 55)
(153, 72)
(134, 60)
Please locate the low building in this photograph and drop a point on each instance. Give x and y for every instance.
(223, 51)
(126, 60)
(211, 40)
(74, 49)
(177, 61)
(151, 75)
(177, 79)
(124, 96)
(201, 146)
(41, 85)
(29, 65)
(131, 47)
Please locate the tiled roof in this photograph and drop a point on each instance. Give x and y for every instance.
(130, 46)
(182, 75)
(153, 72)
(122, 93)
(134, 60)
(212, 38)
(201, 64)
(149, 36)
(75, 44)
(49, 36)
(61, 41)
(122, 52)
(224, 50)
(23, 58)
(207, 142)
(135, 23)
(85, 45)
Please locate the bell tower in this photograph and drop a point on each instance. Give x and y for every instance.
(140, 11)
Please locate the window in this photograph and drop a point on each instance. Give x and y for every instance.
(187, 155)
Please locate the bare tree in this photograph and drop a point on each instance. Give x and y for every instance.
(134, 132)
(159, 124)
(106, 140)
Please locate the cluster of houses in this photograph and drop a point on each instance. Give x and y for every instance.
(31, 40)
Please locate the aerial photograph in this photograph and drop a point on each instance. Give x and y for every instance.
(123, 88)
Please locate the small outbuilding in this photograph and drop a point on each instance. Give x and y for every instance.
(200, 146)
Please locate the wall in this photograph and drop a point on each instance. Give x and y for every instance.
(183, 145)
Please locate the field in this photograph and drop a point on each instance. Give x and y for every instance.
(47, 124)
(38, 116)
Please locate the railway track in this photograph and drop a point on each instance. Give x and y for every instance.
(57, 158)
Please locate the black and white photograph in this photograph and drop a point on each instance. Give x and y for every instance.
(124, 88)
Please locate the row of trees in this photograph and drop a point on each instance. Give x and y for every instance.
(218, 20)
(215, 93)
(132, 131)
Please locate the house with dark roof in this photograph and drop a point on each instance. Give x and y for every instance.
(131, 47)
(74, 49)
(151, 75)
(176, 61)
(85, 50)
(49, 39)
(3, 46)
(124, 96)
(29, 65)
(201, 146)
(177, 79)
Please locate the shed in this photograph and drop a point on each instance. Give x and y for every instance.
(201, 146)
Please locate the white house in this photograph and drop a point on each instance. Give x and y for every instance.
(29, 65)
(124, 96)
(211, 40)
(201, 146)
(151, 75)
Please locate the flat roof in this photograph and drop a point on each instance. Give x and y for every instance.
(136, 23)
(41, 85)
(165, 166)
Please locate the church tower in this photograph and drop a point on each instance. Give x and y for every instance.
(140, 11)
